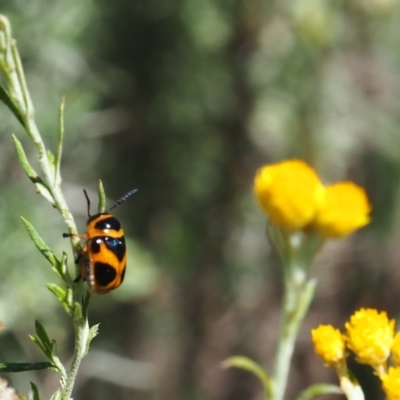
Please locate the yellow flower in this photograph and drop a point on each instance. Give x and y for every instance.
(344, 209)
(288, 192)
(328, 344)
(396, 349)
(391, 383)
(369, 334)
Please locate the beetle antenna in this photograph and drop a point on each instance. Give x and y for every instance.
(122, 199)
(88, 202)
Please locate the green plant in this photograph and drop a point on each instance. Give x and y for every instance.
(74, 297)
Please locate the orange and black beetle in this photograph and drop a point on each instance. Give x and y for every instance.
(103, 254)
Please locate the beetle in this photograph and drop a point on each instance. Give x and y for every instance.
(102, 258)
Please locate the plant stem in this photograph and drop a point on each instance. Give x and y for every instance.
(298, 294)
(18, 99)
(81, 328)
(49, 172)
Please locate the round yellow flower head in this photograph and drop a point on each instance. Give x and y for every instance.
(328, 344)
(396, 349)
(344, 209)
(288, 192)
(369, 334)
(391, 383)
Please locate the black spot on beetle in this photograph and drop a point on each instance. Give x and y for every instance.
(104, 273)
(95, 244)
(116, 245)
(108, 223)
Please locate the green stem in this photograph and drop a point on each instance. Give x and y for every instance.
(7, 63)
(81, 328)
(49, 171)
(13, 71)
(297, 297)
(15, 78)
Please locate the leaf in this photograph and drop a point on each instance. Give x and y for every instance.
(51, 162)
(102, 197)
(251, 366)
(57, 160)
(56, 361)
(39, 344)
(23, 367)
(35, 392)
(61, 270)
(39, 243)
(62, 295)
(62, 266)
(50, 157)
(54, 349)
(43, 336)
(319, 389)
(41, 186)
(49, 349)
(93, 332)
(12, 105)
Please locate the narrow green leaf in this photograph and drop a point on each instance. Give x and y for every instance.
(41, 186)
(51, 157)
(102, 197)
(43, 336)
(305, 298)
(22, 367)
(23, 159)
(35, 392)
(56, 361)
(24, 93)
(59, 368)
(93, 332)
(57, 161)
(62, 297)
(44, 190)
(63, 265)
(251, 366)
(61, 270)
(39, 243)
(51, 162)
(57, 270)
(54, 349)
(12, 105)
(319, 389)
(40, 345)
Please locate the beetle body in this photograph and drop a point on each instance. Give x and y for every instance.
(103, 261)
(102, 258)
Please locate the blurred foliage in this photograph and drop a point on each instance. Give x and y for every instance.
(184, 99)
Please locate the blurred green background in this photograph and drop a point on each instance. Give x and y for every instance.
(184, 99)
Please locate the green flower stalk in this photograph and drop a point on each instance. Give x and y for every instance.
(297, 251)
(73, 298)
